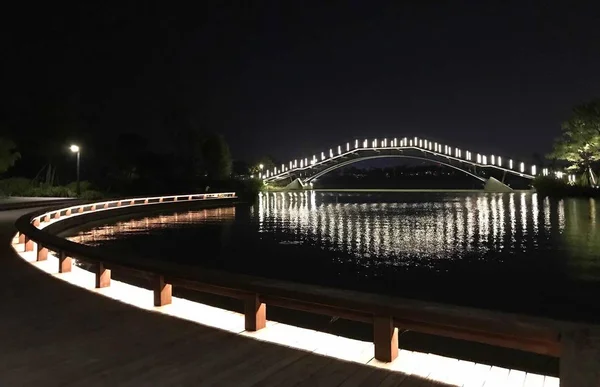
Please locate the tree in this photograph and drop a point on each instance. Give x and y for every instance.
(8, 154)
(579, 143)
(216, 157)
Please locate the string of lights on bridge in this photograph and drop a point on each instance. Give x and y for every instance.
(416, 143)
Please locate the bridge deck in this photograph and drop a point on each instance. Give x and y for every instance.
(53, 333)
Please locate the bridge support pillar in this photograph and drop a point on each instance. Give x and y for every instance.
(579, 364)
(495, 185)
(296, 184)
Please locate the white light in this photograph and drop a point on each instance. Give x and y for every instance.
(492, 160)
(291, 164)
(330, 152)
(435, 146)
(510, 163)
(301, 163)
(499, 161)
(322, 155)
(478, 158)
(410, 143)
(395, 142)
(385, 142)
(429, 145)
(456, 152)
(522, 167)
(533, 170)
(355, 143)
(347, 147)
(545, 171)
(420, 143)
(339, 150)
(405, 141)
(375, 143)
(74, 148)
(365, 144)
(305, 161)
(415, 142)
(484, 160)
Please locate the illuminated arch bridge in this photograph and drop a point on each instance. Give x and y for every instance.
(307, 170)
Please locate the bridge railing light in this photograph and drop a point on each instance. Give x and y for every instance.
(522, 167)
(510, 164)
(533, 170)
(499, 161)
(484, 160)
(478, 158)
(492, 160)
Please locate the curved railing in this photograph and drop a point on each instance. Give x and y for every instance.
(386, 314)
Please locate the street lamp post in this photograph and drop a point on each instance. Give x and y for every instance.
(75, 149)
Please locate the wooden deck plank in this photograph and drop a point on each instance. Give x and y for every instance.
(296, 372)
(533, 380)
(477, 376)
(550, 381)
(497, 377)
(257, 367)
(516, 378)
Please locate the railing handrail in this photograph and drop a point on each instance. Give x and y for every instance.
(535, 334)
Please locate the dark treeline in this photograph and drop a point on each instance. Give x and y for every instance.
(185, 159)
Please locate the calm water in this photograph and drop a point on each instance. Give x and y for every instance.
(516, 252)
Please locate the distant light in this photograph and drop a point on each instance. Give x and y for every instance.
(510, 164)
(74, 148)
(533, 170)
(522, 167)
(261, 166)
(499, 161)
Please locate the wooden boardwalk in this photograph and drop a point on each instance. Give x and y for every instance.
(55, 334)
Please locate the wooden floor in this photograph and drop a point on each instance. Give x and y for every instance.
(55, 334)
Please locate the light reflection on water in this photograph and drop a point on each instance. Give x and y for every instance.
(450, 227)
(539, 249)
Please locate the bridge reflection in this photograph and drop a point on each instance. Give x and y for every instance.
(447, 228)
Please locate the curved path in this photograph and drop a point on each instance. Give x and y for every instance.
(56, 334)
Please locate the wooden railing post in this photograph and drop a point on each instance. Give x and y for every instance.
(385, 338)
(102, 276)
(579, 363)
(64, 262)
(105, 205)
(80, 209)
(56, 215)
(21, 237)
(255, 313)
(68, 212)
(162, 291)
(36, 222)
(47, 218)
(42, 253)
(28, 244)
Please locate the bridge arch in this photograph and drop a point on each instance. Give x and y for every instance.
(370, 157)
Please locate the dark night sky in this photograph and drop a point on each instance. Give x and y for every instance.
(290, 80)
